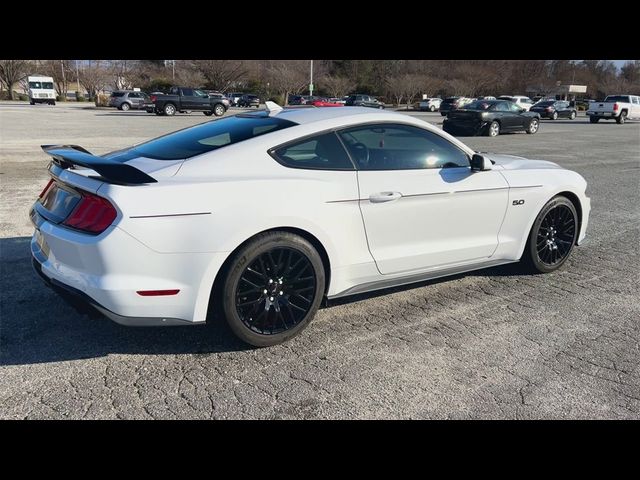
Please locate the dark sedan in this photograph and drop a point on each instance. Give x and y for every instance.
(554, 109)
(490, 117)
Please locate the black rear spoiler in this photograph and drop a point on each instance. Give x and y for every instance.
(66, 156)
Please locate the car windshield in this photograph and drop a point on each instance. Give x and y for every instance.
(479, 105)
(617, 98)
(47, 85)
(204, 138)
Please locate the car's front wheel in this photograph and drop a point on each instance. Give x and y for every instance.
(533, 126)
(494, 129)
(552, 236)
(572, 116)
(272, 288)
(554, 116)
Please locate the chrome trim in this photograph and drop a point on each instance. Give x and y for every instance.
(417, 277)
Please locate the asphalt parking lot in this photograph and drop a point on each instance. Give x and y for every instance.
(489, 344)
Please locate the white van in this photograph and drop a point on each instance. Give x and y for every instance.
(41, 90)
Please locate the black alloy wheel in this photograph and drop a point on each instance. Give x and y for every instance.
(552, 236)
(273, 288)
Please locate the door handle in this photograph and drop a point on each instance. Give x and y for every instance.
(381, 197)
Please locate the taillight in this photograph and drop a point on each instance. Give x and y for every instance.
(44, 190)
(153, 98)
(615, 107)
(92, 214)
(548, 109)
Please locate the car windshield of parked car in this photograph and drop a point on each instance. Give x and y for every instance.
(478, 105)
(204, 138)
(617, 98)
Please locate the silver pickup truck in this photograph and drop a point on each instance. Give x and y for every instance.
(615, 107)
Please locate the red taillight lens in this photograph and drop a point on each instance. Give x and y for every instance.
(615, 107)
(156, 293)
(154, 98)
(44, 190)
(92, 214)
(549, 109)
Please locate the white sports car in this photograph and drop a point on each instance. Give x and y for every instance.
(265, 214)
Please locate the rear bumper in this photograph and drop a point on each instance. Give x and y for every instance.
(106, 271)
(470, 129)
(601, 114)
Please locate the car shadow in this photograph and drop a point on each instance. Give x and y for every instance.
(38, 326)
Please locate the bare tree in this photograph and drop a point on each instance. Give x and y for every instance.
(288, 77)
(220, 74)
(338, 86)
(60, 71)
(94, 77)
(11, 71)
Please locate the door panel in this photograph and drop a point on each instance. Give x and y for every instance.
(443, 216)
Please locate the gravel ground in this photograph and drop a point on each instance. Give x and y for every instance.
(490, 344)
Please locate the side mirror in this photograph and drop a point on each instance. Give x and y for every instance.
(480, 163)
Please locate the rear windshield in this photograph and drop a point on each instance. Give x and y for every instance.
(617, 98)
(479, 105)
(209, 136)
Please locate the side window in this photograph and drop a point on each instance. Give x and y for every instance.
(636, 100)
(502, 107)
(134, 95)
(187, 92)
(322, 152)
(401, 147)
(515, 108)
(199, 93)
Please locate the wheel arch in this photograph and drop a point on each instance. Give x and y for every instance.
(573, 198)
(311, 238)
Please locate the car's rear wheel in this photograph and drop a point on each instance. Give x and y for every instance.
(572, 116)
(273, 288)
(554, 116)
(494, 129)
(594, 119)
(552, 236)
(125, 107)
(533, 126)
(621, 118)
(169, 109)
(31, 102)
(218, 110)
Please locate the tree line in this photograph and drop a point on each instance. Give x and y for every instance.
(396, 81)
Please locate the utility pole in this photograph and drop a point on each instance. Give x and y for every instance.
(77, 77)
(311, 80)
(173, 68)
(64, 82)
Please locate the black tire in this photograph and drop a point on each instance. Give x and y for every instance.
(444, 114)
(125, 107)
(493, 130)
(52, 103)
(534, 124)
(218, 110)
(169, 109)
(554, 116)
(244, 311)
(31, 102)
(208, 114)
(594, 119)
(548, 245)
(621, 118)
(573, 115)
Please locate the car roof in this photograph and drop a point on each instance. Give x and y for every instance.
(310, 115)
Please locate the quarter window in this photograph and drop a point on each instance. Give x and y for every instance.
(401, 147)
(321, 152)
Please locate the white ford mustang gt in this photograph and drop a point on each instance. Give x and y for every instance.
(265, 214)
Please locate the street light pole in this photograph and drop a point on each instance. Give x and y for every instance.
(311, 80)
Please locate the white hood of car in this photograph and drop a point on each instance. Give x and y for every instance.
(512, 162)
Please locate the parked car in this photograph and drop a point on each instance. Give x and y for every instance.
(453, 103)
(234, 97)
(326, 102)
(128, 99)
(181, 99)
(220, 96)
(430, 104)
(486, 98)
(157, 233)
(360, 100)
(490, 117)
(249, 100)
(615, 107)
(554, 109)
(520, 100)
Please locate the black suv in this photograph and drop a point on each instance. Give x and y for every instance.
(360, 100)
(249, 100)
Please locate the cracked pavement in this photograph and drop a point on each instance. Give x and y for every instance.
(490, 344)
